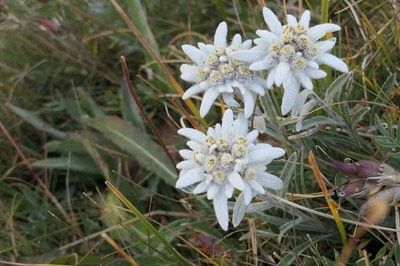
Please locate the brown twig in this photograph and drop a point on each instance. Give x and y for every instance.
(142, 110)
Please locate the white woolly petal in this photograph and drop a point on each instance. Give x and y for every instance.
(229, 99)
(208, 99)
(249, 102)
(227, 120)
(221, 210)
(256, 187)
(220, 35)
(312, 64)
(332, 61)
(315, 73)
(317, 32)
(305, 80)
(186, 154)
(252, 136)
(213, 190)
(265, 155)
(190, 177)
(240, 125)
(305, 19)
(291, 20)
(201, 188)
(281, 72)
(194, 145)
(190, 76)
(257, 88)
(237, 39)
(324, 46)
(187, 164)
(195, 89)
(247, 44)
(289, 96)
(192, 134)
(267, 36)
(261, 146)
(270, 181)
(271, 77)
(236, 180)
(248, 55)
(272, 21)
(239, 210)
(247, 196)
(205, 48)
(261, 65)
(195, 54)
(229, 190)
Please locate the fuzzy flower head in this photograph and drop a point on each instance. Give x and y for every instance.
(292, 53)
(225, 159)
(215, 72)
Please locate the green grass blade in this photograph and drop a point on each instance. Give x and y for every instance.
(143, 219)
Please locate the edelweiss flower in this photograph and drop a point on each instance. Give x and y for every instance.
(225, 159)
(216, 72)
(292, 54)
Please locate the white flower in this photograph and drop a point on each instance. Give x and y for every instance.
(215, 72)
(292, 54)
(225, 159)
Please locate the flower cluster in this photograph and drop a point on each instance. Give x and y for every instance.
(225, 159)
(216, 72)
(292, 54)
(228, 158)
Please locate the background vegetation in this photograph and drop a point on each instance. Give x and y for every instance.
(69, 124)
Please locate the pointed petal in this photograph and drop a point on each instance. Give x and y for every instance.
(247, 44)
(248, 55)
(239, 210)
(236, 180)
(291, 20)
(221, 210)
(272, 21)
(261, 65)
(195, 54)
(252, 136)
(315, 73)
(213, 190)
(265, 155)
(247, 196)
(237, 39)
(257, 88)
(257, 187)
(317, 32)
(229, 99)
(270, 181)
(249, 102)
(200, 188)
(190, 177)
(229, 190)
(333, 62)
(305, 80)
(220, 35)
(195, 89)
(186, 154)
(289, 96)
(281, 72)
(208, 99)
(271, 77)
(305, 19)
(192, 134)
(187, 164)
(325, 46)
(227, 120)
(267, 35)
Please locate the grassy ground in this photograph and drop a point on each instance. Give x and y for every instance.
(69, 125)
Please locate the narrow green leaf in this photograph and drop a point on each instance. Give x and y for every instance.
(358, 116)
(150, 227)
(35, 120)
(132, 140)
(287, 173)
(336, 87)
(130, 112)
(82, 164)
(382, 96)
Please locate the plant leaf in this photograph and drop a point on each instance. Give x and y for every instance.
(132, 140)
